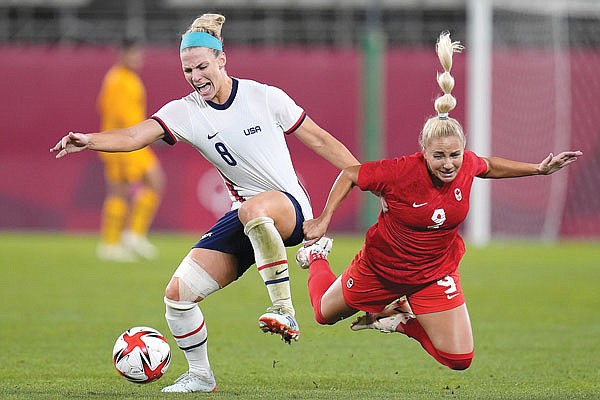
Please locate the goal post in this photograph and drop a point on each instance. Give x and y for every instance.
(479, 39)
(531, 86)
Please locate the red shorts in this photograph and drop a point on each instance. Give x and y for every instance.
(366, 291)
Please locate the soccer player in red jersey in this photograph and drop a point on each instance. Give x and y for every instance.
(406, 276)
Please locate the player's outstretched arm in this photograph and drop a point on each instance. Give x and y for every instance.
(117, 140)
(502, 168)
(314, 229)
(324, 144)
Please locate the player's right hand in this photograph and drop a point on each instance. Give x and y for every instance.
(71, 143)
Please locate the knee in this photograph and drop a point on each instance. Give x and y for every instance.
(172, 290)
(321, 320)
(272, 203)
(190, 282)
(249, 211)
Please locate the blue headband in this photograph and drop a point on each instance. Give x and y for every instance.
(200, 39)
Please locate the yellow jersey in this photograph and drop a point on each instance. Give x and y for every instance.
(122, 99)
(122, 103)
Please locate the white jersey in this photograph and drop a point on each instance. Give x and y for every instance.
(243, 138)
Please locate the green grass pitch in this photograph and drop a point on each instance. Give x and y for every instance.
(534, 310)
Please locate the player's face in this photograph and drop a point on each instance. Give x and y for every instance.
(444, 158)
(206, 73)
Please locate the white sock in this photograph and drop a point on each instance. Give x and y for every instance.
(189, 330)
(271, 260)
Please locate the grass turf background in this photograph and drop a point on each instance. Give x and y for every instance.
(534, 310)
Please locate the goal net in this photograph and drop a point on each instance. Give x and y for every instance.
(545, 75)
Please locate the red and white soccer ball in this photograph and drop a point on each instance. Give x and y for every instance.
(141, 354)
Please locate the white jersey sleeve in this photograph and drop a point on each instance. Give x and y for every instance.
(287, 113)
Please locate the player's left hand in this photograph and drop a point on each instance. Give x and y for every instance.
(553, 163)
(314, 229)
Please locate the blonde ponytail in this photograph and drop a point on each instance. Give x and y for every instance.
(445, 49)
(442, 125)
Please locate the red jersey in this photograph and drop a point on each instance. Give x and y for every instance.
(415, 239)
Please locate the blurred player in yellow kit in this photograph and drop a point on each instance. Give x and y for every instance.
(134, 180)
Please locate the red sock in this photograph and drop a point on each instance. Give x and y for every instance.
(456, 361)
(413, 329)
(320, 277)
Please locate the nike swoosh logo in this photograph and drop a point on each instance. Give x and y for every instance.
(451, 296)
(212, 136)
(415, 205)
(280, 272)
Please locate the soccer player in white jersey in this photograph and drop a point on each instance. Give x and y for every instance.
(240, 126)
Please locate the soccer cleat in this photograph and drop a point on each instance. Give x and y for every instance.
(115, 252)
(280, 321)
(385, 324)
(139, 245)
(190, 382)
(318, 250)
(397, 306)
(387, 320)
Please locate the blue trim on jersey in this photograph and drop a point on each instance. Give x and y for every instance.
(227, 236)
(297, 124)
(169, 137)
(227, 104)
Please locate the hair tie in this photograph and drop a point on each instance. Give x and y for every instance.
(443, 115)
(200, 39)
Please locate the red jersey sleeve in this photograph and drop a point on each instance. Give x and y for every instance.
(478, 164)
(377, 176)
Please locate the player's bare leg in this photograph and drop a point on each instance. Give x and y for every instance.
(445, 335)
(450, 331)
(325, 290)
